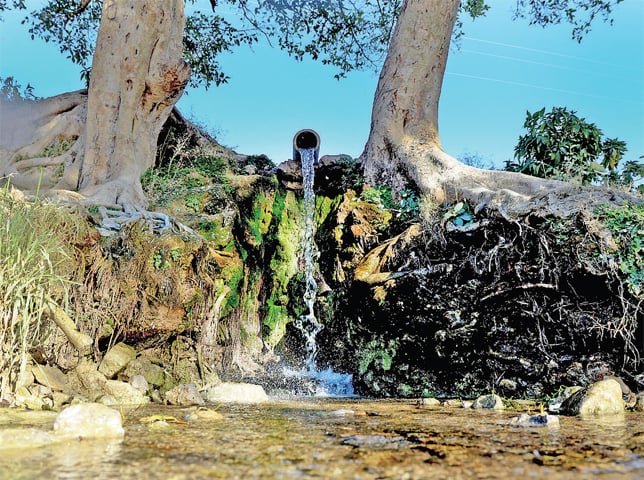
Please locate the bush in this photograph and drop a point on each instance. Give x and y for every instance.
(560, 145)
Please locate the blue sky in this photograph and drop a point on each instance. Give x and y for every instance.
(502, 69)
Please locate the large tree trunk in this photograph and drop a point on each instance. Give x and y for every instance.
(404, 150)
(137, 77)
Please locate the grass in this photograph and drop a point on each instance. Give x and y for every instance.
(32, 257)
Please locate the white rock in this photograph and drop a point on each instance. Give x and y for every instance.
(89, 420)
(236, 393)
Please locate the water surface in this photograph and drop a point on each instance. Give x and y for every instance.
(339, 439)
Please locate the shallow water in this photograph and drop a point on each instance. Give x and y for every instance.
(347, 439)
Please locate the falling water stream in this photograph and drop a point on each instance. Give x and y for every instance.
(326, 382)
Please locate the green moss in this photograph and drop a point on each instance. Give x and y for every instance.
(324, 206)
(283, 264)
(376, 355)
(262, 215)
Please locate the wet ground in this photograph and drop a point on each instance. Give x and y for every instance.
(339, 439)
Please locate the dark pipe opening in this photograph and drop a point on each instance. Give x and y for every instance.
(306, 139)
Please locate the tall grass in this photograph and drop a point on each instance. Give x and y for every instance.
(32, 256)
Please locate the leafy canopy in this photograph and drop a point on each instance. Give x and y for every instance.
(345, 34)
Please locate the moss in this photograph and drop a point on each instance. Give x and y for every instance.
(283, 265)
(261, 217)
(376, 355)
(324, 206)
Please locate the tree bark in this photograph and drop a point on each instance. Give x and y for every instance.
(137, 77)
(404, 150)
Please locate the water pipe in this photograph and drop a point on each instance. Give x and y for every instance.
(306, 139)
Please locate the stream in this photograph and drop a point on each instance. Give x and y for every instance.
(339, 439)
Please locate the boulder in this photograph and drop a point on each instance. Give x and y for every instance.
(89, 420)
(600, 398)
(429, 402)
(491, 401)
(116, 359)
(235, 393)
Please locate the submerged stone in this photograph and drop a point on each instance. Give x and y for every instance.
(236, 393)
(89, 420)
(545, 420)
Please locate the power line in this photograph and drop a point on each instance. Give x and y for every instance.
(546, 52)
(553, 65)
(540, 87)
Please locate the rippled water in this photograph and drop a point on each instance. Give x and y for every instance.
(340, 439)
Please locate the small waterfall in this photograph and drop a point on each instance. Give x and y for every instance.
(308, 324)
(327, 382)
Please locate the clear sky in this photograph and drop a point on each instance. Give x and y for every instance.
(502, 69)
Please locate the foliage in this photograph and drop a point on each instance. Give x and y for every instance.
(12, 92)
(405, 208)
(186, 173)
(560, 145)
(31, 275)
(458, 214)
(346, 35)
(626, 224)
(578, 13)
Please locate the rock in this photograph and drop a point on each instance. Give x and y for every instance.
(525, 420)
(116, 359)
(236, 393)
(87, 380)
(600, 398)
(184, 394)
(491, 401)
(124, 393)
(25, 398)
(140, 383)
(152, 373)
(555, 404)
(51, 377)
(430, 402)
(204, 415)
(89, 420)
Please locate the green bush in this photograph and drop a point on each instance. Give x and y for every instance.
(559, 144)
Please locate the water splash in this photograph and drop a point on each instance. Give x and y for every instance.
(325, 382)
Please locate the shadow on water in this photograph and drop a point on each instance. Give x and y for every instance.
(343, 438)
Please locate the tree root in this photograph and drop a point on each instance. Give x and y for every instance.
(79, 340)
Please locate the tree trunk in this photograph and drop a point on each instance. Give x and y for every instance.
(404, 150)
(137, 77)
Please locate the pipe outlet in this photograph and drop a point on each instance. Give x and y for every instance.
(306, 139)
